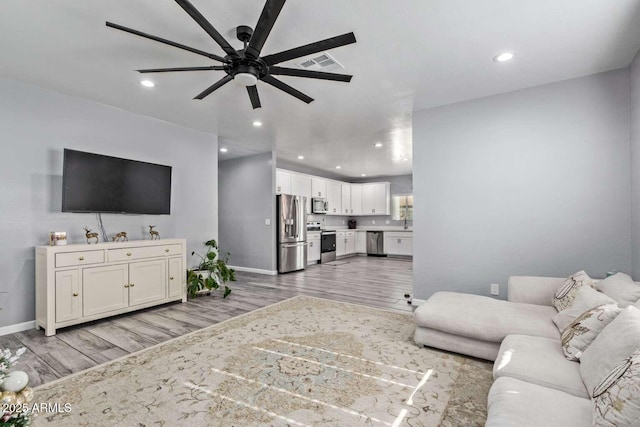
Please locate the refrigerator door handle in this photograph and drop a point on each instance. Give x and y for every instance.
(294, 245)
(297, 211)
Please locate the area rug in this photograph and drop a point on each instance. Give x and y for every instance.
(302, 362)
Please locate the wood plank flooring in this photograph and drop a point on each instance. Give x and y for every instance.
(377, 282)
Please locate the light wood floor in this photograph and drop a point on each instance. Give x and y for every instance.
(373, 281)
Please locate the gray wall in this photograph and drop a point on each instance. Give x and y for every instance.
(533, 182)
(246, 199)
(634, 76)
(36, 125)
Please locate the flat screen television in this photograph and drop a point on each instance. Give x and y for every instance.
(104, 184)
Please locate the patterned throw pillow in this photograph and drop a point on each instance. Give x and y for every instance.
(585, 328)
(616, 400)
(565, 294)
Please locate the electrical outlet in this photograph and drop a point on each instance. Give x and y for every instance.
(343, 222)
(387, 222)
(373, 221)
(267, 221)
(495, 289)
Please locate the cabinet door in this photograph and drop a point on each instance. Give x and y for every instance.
(105, 289)
(147, 281)
(356, 199)
(68, 305)
(381, 198)
(334, 197)
(350, 243)
(361, 242)
(176, 273)
(313, 251)
(346, 199)
(341, 244)
(301, 186)
(396, 245)
(367, 199)
(283, 182)
(318, 187)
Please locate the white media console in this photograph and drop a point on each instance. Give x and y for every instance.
(79, 283)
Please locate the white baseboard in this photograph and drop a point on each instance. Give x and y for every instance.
(416, 302)
(254, 270)
(18, 327)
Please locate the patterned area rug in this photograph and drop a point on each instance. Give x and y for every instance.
(302, 362)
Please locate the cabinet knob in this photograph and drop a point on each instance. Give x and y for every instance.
(75, 294)
(128, 253)
(166, 250)
(132, 284)
(126, 286)
(81, 258)
(170, 277)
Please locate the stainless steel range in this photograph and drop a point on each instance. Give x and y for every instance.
(328, 246)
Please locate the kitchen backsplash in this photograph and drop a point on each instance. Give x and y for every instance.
(328, 221)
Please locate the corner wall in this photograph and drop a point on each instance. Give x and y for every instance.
(36, 126)
(246, 200)
(533, 182)
(634, 77)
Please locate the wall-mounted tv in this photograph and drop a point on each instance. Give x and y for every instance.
(104, 184)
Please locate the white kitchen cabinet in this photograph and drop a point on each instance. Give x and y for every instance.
(376, 198)
(283, 182)
(400, 243)
(361, 242)
(334, 197)
(313, 248)
(341, 243)
(301, 186)
(356, 199)
(346, 199)
(350, 242)
(318, 187)
(80, 283)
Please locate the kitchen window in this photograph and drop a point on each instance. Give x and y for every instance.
(402, 207)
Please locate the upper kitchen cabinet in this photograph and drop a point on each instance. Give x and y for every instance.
(318, 187)
(283, 182)
(376, 198)
(301, 186)
(334, 197)
(347, 209)
(356, 199)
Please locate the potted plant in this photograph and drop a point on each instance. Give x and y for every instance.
(211, 272)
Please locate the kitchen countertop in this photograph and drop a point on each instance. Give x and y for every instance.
(393, 228)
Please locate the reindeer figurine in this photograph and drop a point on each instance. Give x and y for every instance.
(90, 235)
(120, 237)
(154, 234)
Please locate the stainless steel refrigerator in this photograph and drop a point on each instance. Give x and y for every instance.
(292, 232)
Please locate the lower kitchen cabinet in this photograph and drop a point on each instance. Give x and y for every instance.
(350, 242)
(313, 248)
(361, 242)
(398, 243)
(341, 243)
(80, 283)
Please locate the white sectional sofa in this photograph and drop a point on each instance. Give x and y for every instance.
(534, 382)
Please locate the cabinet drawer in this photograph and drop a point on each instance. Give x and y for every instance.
(350, 234)
(126, 254)
(79, 258)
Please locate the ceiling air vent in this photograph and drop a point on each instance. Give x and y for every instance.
(322, 62)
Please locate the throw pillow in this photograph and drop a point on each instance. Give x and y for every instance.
(616, 400)
(586, 298)
(585, 328)
(617, 341)
(621, 288)
(565, 294)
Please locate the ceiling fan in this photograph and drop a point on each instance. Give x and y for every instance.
(246, 66)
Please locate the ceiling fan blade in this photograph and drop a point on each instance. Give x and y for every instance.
(254, 97)
(167, 70)
(223, 81)
(285, 87)
(165, 41)
(282, 71)
(310, 49)
(265, 23)
(205, 25)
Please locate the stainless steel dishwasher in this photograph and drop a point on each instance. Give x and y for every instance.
(375, 243)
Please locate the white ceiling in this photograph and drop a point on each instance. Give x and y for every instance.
(410, 55)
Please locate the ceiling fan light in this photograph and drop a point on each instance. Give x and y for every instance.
(245, 79)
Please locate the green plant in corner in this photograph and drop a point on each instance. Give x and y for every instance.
(211, 272)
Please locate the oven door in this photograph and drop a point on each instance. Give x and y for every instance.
(328, 242)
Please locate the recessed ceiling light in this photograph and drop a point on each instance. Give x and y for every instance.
(147, 83)
(300, 157)
(503, 57)
(257, 123)
(223, 150)
(364, 174)
(338, 167)
(378, 144)
(405, 159)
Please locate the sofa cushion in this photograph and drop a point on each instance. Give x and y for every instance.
(566, 292)
(538, 360)
(484, 318)
(456, 343)
(617, 341)
(617, 398)
(585, 328)
(585, 298)
(513, 402)
(621, 288)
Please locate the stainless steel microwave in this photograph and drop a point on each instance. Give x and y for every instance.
(319, 205)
